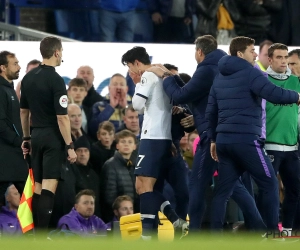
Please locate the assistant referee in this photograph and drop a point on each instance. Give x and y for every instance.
(44, 95)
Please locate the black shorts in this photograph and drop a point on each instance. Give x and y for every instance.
(153, 155)
(48, 154)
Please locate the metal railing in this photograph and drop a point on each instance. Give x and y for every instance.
(10, 32)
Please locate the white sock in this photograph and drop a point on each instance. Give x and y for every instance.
(288, 231)
(146, 238)
(176, 223)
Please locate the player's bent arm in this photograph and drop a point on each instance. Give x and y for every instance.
(64, 127)
(25, 122)
(138, 102)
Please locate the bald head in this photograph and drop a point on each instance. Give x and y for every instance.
(87, 73)
(74, 113)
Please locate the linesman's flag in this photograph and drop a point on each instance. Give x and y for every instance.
(24, 213)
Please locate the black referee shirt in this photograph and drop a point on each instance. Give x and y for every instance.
(44, 93)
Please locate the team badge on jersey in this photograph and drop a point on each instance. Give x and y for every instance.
(63, 101)
(143, 80)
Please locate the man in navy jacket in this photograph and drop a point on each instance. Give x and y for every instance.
(195, 93)
(235, 128)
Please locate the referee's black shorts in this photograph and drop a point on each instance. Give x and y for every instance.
(48, 154)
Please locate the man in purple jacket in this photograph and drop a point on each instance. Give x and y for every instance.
(9, 224)
(81, 219)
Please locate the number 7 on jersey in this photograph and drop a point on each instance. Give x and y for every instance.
(140, 160)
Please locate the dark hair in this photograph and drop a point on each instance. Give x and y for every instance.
(206, 43)
(33, 62)
(295, 51)
(275, 46)
(240, 43)
(185, 77)
(136, 53)
(106, 125)
(123, 134)
(88, 192)
(129, 107)
(263, 43)
(49, 45)
(117, 203)
(4, 58)
(170, 66)
(77, 82)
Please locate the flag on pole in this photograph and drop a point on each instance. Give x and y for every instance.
(24, 213)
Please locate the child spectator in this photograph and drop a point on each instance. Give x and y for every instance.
(104, 148)
(118, 174)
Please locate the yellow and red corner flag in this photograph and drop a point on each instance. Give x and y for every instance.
(24, 213)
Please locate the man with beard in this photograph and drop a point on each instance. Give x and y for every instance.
(111, 109)
(44, 95)
(13, 168)
(81, 219)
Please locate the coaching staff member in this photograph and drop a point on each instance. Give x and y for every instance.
(13, 167)
(234, 112)
(44, 95)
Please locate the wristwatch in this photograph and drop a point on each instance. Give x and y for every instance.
(70, 146)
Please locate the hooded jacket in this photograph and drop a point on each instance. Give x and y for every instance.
(12, 164)
(9, 224)
(234, 104)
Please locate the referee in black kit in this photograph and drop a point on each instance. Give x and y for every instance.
(44, 95)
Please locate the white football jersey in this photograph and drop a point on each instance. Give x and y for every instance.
(157, 110)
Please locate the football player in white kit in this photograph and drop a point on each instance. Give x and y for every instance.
(156, 141)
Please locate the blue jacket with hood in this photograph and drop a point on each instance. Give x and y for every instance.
(234, 110)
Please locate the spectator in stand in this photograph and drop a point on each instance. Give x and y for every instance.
(87, 73)
(122, 206)
(31, 65)
(75, 116)
(283, 22)
(111, 108)
(9, 224)
(78, 91)
(263, 59)
(104, 148)
(118, 174)
(255, 18)
(207, 11)
(188, 155)
(86, 176)
(131, 121)
(81, 219)
(171, 20)
(116, 20)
